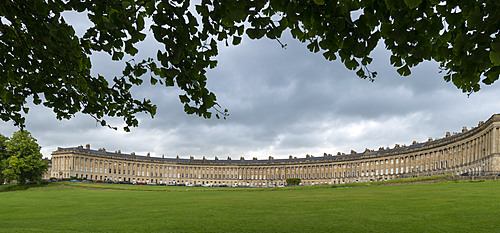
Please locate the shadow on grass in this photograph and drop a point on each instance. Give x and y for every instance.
(16, 187)
(394, 181)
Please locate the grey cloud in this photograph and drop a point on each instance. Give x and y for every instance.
(282, 102)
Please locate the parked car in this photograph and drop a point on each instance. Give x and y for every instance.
(74, 180)
(98, 181)
(124, 182)
(108, 182)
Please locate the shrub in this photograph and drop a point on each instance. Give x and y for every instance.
(293, 181)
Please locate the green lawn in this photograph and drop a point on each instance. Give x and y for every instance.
(435, 207)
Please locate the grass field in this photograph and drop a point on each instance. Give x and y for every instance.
(434, 207)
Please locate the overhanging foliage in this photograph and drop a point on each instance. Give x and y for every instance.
(42, 58)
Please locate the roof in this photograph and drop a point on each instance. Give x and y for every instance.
(380, 153)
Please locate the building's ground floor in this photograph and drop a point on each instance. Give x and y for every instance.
(310, 174)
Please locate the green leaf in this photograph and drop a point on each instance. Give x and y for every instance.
(130, 49)
(254, 33)
(412, 3)
(117, 56)
(404, 71)
(330, 55)
(475, 18)
(319, 2)
(396, 61)
(495, 57)
(153, 81)
(236, 40)
(184, 99)
(172, 73)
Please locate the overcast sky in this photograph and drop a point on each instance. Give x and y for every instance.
(281, 102)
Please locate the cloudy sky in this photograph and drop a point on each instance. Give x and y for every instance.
(281, 102)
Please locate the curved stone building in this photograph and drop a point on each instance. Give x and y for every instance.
(472, 152)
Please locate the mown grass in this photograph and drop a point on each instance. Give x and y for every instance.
(434, 207)
(185, 188)
(394, 181)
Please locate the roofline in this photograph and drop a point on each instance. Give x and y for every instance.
(328, 158)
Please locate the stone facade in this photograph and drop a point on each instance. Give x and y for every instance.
(473, 152)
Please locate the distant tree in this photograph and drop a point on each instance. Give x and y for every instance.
(3, 156)
(44, 61)
(24, 162)
(293, 181)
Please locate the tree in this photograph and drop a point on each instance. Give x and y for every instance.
(3, 155)
(293, 181)
(24, 162)
(42, 59)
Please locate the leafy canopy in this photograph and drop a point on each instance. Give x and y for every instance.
(43, 61)
(21, 160)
